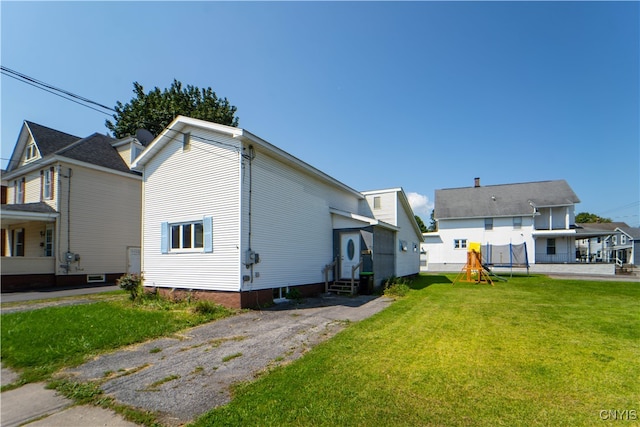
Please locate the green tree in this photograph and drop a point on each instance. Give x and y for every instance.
(153, 111)
(433, 225)
(423, 228)
(585, 217)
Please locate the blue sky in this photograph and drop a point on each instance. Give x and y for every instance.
(418, 95)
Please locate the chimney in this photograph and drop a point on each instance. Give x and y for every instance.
(476, 182)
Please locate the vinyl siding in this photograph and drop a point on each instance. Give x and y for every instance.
(473, 230)
(408, 262)
(104, 219)
(186, 186)
(291, 223)
(388, 207)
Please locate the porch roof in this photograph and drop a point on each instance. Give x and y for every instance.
(25, 212)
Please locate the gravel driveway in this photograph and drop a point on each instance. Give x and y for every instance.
(181, 377)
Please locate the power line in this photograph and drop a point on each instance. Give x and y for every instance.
(70, 96)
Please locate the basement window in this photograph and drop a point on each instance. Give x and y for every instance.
(96, 278)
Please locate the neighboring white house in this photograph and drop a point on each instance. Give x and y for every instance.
(540, 215)
(73, 210)
(235, 219)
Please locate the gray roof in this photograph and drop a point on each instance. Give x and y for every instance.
(502, 200)
(634, 232)
(95, 149)
(38, 207)
(594, 229)
(49, 140)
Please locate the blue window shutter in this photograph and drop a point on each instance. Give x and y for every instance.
(164, 238)
(207, 223)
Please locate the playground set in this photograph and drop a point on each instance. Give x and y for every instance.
(477, 271)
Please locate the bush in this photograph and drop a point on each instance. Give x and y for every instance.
(396, 287)
(131, 283)
(206, 307)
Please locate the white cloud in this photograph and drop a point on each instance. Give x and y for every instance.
(421, 205)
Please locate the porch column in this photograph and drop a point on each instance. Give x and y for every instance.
(566, 218)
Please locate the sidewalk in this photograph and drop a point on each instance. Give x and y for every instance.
(35, 406)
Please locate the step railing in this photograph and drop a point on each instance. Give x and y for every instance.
(327, 268)
(353, 275)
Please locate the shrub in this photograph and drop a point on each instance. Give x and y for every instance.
(396, 287)
(131, 283)
(293, 294)
(206, 307)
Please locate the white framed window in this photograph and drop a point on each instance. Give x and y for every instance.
(488, 223)
(460, 243)
(623, 239)
(47, 183)
(187, 236)
(517, 222)
(48, 241)
(31, 152)
(18, 187)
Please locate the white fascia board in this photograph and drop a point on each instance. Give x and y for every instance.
(551, 233)
(362, 218)
(13, 216)
(175, 127)
(39, 164)
(29, 167)
(67, 160)
(383, 191)
(123, 141)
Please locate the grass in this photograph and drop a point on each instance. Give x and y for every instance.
(531, 351)
(39, 342)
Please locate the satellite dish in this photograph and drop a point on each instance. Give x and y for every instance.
(144, 136)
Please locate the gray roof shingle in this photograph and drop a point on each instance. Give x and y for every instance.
(49, 140)
(502, 200)
(96, 149)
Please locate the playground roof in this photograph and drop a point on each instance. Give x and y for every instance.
(502, 200)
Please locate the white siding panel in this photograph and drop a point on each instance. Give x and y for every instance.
(408, 262)
(291, 223)
(388, 207)
(186, 186)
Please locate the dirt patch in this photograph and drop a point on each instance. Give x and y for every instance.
(182, 377)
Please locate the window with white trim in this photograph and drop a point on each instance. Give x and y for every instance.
(47, 183)
(18, 185)
(460, 243)
(48, 241)
(31, 152)
(187, 236)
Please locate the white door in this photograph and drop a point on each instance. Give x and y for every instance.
(349, 253)
(133, 260)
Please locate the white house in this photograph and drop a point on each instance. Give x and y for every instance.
(537, 215)
(237, 220)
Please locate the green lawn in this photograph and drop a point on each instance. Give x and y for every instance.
(531, 351)
(39, 342)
